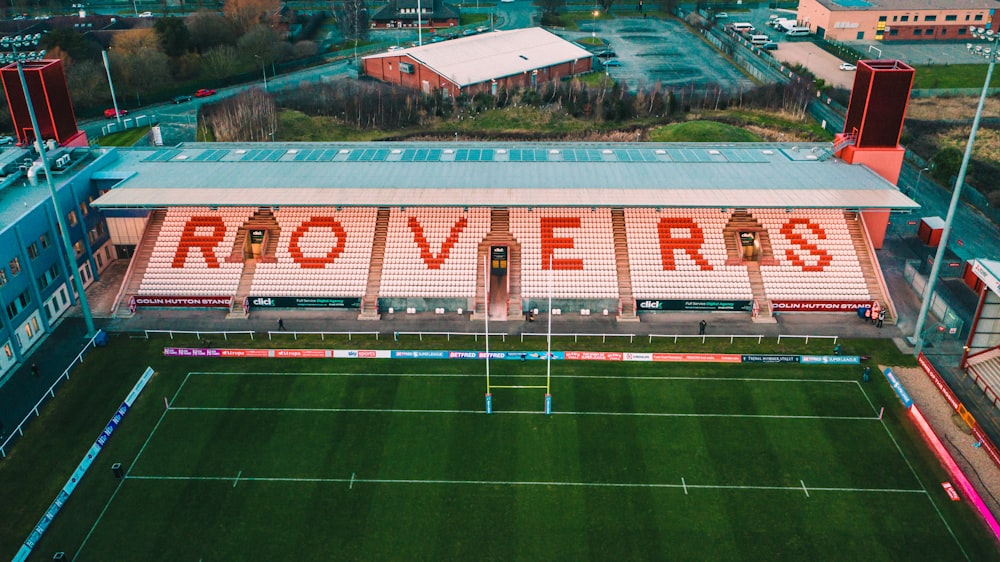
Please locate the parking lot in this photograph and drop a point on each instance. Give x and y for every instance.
(665, 52)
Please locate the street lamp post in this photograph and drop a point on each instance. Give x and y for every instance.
(593, 29)
(989, 52)
(262, 70)
(916, 187)
(14, 44)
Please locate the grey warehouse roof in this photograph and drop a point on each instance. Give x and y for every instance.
(482, 57)
(495, 174)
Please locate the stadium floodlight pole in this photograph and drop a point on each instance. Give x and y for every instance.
(990, 52)
(74, 274)
(486, 286)
(548, 337)
(420, 35)
(111, 85)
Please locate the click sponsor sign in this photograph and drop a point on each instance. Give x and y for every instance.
(817, 306)
(305, 302)
(707, 305)
(139, 301)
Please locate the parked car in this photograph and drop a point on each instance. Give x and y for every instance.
(481, 29)
(607, 54)
(110, 113)
(848, 66)
(721, 16)
(468, 32)
(7, 139)
(395, 48)
(182, 99)
(146, 15)
(204, 93)
(612, 62)
(770, 46)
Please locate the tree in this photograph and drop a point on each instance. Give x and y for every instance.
(946, 165)
(258, 43)
(72, 43)
(138, 62)
(220, 62)
(251, 116)
(552, 7)
(245, 14)
(175, 39)
(352, 19)
(606, 5)
(207, 30)
(87, 83)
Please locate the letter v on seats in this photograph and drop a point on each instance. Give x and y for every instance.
(435, 261)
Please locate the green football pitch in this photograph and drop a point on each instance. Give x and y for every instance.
(396, 459)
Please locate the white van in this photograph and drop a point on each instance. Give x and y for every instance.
(798, 31)
(759, 39)
(743, 27)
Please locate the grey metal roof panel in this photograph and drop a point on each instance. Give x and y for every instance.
(501, 175)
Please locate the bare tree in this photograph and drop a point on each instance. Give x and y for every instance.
(208, 29)
(220, 62)
(245, 14)
(352, 18)
(248, 117)
(87, 83)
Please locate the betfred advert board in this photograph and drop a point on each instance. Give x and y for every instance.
(818, 306)
(305, 302)
(139, 301)
(649, 305)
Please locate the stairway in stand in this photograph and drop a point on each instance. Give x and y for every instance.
(263, 219)
(140, 261)
(625, 296)
(742, 221)
(236, 310)
(369, 303)
(499, 235)
(869, 265)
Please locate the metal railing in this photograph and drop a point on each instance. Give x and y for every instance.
(50, 393)
(322, 335)
(732, 337)
(448, 335)
(604, 337)
(198, 333)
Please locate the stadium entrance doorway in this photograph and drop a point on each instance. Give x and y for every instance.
(498, 293)
(749, 245)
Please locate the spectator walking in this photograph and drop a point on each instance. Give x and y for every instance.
(701, 327)
(881, 317)
(281, 324)
(34, 369)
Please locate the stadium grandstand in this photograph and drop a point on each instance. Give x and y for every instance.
(601, 229)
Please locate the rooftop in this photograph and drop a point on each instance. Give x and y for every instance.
(909, 5)
(478, 58)
(495, 174)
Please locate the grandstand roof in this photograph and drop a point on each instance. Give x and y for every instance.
(481, 57)
(753, 175)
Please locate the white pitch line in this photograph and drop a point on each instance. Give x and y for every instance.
(237, 481)
(683, 485)
(351, 487)
(804, 487)
(477, 412)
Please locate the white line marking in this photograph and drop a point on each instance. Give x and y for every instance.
(351, 487)
(435, 411)
(804, 488)
(237, 481)
(683, 485)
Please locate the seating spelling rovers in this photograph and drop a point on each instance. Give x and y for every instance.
(188, 257)
(816, 255)
(579, 244)
(681, 254)
(321, 252)
(432, 252)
